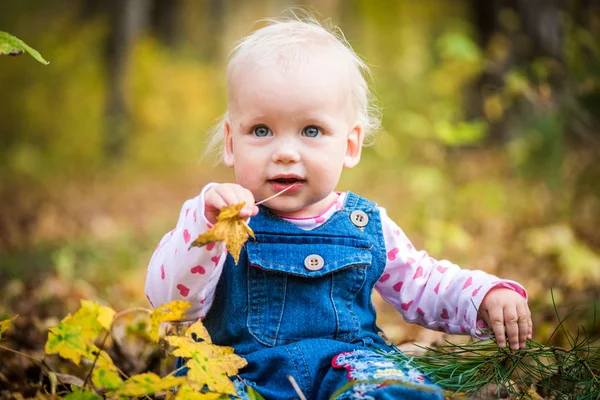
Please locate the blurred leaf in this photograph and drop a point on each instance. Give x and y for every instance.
(579, 264)
(12, 46)
(170, 312)
(64, 261)
(5, 325)
(79, 394)
(185, 392)
(106, 378)
(459, 46)
(493, 107)
(462, 133)
(414, 124)
(148, 383)
(426, 182)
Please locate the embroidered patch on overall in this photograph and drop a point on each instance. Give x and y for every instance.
(364, 367)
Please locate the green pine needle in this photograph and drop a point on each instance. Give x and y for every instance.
(535, 371)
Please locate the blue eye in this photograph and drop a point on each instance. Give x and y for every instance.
(261, 131)
(311, 131)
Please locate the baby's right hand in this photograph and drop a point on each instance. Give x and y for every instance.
(222, 195)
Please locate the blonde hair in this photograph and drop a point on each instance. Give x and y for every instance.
(284, 41)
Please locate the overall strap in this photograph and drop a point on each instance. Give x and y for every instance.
(356, 202)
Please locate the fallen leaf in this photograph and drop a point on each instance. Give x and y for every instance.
(230, 228)
(209, 365)
(5, 325)
(170, 312)
(147, 383)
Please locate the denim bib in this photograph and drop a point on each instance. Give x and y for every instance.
(291, 284)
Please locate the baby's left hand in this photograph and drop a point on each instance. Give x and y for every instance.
(502, 308)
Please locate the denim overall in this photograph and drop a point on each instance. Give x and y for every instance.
(297, 299)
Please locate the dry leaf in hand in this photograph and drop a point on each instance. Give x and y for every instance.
(231, 228)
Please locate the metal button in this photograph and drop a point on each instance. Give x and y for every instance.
(314, 262)
(359, 218)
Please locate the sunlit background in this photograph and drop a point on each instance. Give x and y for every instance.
(489, 153)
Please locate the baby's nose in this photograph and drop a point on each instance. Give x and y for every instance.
(286, 152)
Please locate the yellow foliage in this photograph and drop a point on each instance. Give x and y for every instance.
(198, 329)
(208, 364)
(5, 325)
(147, 383)
(74, 337)
(231, 228)
(579, 264)
(106, 378)
(185, 392)
(173, 311)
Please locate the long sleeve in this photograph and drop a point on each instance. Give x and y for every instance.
(178, 272)
(435, 294)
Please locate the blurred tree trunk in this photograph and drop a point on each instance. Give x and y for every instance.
(166, 21)
(516, 32)
(214, 25)
(127, 18)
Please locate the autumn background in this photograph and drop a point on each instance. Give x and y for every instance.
(489, 154)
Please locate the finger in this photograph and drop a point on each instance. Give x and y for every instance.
(230, 195)
(530, 321)
(511, 321)
(496, 322)
(249, 207)
(524, 323)
(214, 199)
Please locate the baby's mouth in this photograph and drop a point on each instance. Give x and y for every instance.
(286, 181)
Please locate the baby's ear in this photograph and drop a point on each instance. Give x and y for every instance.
(227, 144)
(354, 145)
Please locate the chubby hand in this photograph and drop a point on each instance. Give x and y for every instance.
(506, 312)
(227, 194)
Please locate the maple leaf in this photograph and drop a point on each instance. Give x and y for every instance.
(230, 228)
(148, 383)
(199, 330)
(106, 378)
(173, 311)
(74, 337)
(5, 325)
(67, 341)
(82, 394)
(186, 392)
(208, 364)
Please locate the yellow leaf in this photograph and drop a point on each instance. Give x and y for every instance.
(106, 378)
(67, 341)
(74, 337)
(5, 325)
(81, 394)
(198, 329)
(208, 364)
(92, 318)
(231, 228)
(106, 316)
(173, 311)
(185, 392)
(148, 383)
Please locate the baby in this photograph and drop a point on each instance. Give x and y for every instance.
(298, 302)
